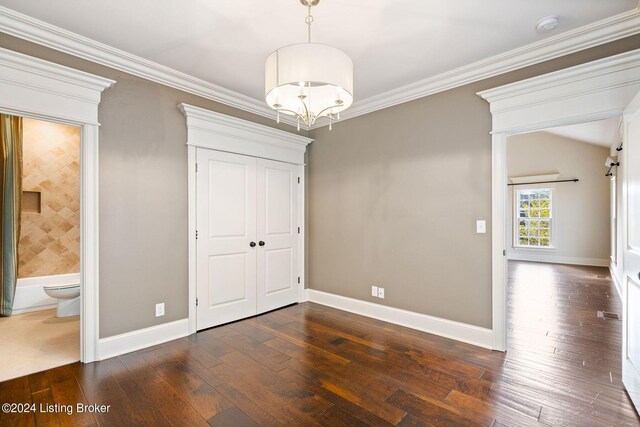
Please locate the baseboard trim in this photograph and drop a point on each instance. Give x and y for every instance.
(142, 338)
(553, 259)
(616, 281)
(466, 333)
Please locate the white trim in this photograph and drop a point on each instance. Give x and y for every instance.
(573, 90)
(499, 240)
(192, 222)
(142, 338)
(616, 281)
(89, 243)
(31, 87)
(592, 91)
(534, 256)
(301, 238)
(43, 88)
(470, 334)
(604, 31)
(215, 131)
(45, 34)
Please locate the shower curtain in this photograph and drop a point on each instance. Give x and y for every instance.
(10, 206)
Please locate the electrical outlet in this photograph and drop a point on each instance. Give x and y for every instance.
(380, 292)
(374, 291)
(160, 309)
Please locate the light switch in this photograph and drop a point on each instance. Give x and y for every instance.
(374, 291)
(160, 309)
(481, 226)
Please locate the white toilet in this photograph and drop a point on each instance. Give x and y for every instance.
(68, 297)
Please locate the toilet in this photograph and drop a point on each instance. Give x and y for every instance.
(68, 297)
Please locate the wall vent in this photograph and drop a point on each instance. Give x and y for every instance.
(31, 202)
(608, 315)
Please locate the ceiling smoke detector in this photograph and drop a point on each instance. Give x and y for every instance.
(547, 24)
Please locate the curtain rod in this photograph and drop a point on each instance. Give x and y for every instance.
(545, 182)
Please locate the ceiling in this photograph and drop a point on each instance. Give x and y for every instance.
(392, 42)
(602, 132)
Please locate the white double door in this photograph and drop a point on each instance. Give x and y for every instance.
(247, 236)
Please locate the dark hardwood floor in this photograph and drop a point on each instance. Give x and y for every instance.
(313, 365)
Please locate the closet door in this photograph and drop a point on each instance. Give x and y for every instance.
(226, 239)
(277, 234)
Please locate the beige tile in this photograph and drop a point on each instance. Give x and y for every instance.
(51, 155)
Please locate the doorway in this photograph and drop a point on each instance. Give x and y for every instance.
(589, 92)
(594, 91)
(44, 329)
(563, 310)
(42, 90)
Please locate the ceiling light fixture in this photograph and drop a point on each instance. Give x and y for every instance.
(309, 80)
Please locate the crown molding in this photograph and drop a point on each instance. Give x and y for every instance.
(206, 120)
(616, 27)
(212, 130)
(36, 88)
(514, 106)
(604, 31)
(33, 30)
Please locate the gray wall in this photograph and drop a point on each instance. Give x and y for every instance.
(393, 197)
(143, 194)
(425, 166)
(581, 210)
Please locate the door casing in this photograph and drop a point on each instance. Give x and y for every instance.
(46, 91)
(593, 91)
(208, 129)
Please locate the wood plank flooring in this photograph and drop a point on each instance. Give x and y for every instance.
(311, 365)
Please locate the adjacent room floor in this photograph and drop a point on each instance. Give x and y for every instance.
(313, 365)
(36, 341)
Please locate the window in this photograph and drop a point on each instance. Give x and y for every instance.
(534, 218)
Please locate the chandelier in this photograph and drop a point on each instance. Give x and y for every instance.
(309, 80)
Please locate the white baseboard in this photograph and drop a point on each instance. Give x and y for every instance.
(142, 338)
(470, 334)
(616, 280)
(554, 259)
(30, 295)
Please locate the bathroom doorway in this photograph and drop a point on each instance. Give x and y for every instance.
(44, 329)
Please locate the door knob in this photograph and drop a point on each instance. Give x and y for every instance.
(252, 244)
(261, 243)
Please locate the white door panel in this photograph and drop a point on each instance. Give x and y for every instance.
(631, 282)
(278, 234)
(226, 224)
(633, 344)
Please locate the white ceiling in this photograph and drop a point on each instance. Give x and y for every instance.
(392, 42)
(602, 132)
